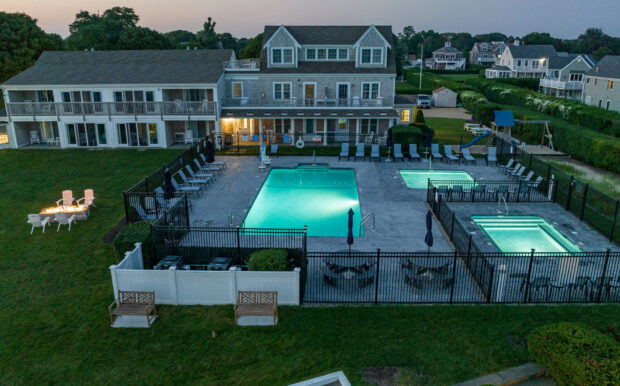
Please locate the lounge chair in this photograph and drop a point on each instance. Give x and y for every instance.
(159, 197)
(516, 174)
(36, 222)
(221, 164)
(264, 158)
(398, 152)
(34, 137)
(413, 152)
(360, 151)
(143, 214)
(62, 219)
(191, 181)
(528, 177)
(273, 150)
(457, 190)
(204, 169)
(185, 188)
(88, 199)
(374, 152)
(492, 156)
(536, 183)
(449, 156)
(344, 151)
(508, 165)
(514, 169)
(467, 156)
(199, 175)
(435, 151)
(67, 198)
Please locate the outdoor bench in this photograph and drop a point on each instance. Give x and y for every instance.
(257, 303)
(135, 303)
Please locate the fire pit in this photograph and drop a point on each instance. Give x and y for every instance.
(80, 211)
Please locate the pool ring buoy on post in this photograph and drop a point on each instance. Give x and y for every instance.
(300, 143)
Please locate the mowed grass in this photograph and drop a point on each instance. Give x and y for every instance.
(450, 131)
(56, 287)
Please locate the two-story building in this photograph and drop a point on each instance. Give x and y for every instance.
(448, 58)
(486, 53)
(602, 84)
(564, 78)
(322, 84)
(522, 61)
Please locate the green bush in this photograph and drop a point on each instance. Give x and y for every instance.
(418, 117)
(529, 83)
(139, 232)
(407, 134)
(574, 354)
(268, 260)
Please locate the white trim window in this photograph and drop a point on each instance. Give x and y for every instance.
(405, 115)
(137, 134)
(282, 126)
(281, 90)
(343, 89)
(332, 54)
(576, 77)
(368, 126)
(371, 56)
(282, 55)
(86, 134)
(237, 89)
(370, 90)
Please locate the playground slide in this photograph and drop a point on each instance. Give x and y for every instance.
(476, 139)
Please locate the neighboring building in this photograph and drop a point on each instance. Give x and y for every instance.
(602, 84)
(444, 97)
(325, 83)
(486, 53)
(4, 123)
(522, 61)
(564, 79)
(448, 58)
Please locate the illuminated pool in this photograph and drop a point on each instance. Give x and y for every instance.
(418, 179)
(316, 196)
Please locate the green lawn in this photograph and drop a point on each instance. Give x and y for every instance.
(460, 77)
(406, 88)
(450, 131)
(56, 287)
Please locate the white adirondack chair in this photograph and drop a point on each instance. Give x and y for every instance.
(34, 137)
(67, 198)
(36, 222)
(189, 137)
(62, 219)
(88, 199)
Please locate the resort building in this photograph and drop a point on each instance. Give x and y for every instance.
(486, 53)
(522, 61)
(319, 84)
(564, 79)
(602, 84)
(448, 58)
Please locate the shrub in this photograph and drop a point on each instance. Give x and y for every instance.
(406, 135)
(528, 83)
(574, 354)
(418, 117)
(139, 232)
(268, 260)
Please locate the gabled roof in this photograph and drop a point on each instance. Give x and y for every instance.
(124, 67)
(608, 67)
(440, 89)
(534, 51)
(500, 68)
(447, 49)
(372, 28)
(558, 62)
(283, 29)
(326, 34)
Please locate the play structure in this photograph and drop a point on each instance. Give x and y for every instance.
(504, 119)
(486, 134)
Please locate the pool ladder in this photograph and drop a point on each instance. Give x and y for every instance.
(232, 215)
(368, 217)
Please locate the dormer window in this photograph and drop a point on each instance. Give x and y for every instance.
(327, 54)
(282, 55)
(372, 56)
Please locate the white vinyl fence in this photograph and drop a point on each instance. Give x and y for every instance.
(200, 287)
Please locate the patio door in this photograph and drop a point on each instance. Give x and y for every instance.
(309, 94)
(136, 134)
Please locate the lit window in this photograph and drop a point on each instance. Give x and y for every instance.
(405, 115)
(237, 89)
(153, 133)
(342, 124)
(610, 85)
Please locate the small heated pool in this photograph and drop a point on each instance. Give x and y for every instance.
(316, 196)
(522, 233)
(418, 179)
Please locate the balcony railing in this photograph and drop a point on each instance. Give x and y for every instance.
(304, 102)
(242, 64)
(562, 85)
(112, 108)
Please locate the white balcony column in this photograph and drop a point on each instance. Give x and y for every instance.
(218, 135)
(325, 132)
(357, 131)
(260, 131)
(292, 132)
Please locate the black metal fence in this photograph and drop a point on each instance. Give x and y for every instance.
(589, 204)
(456, 277)
(491, 191)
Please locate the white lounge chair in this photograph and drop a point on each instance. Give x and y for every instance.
(413, 151)
(185, 188)
(528, 177)
(143, 213)
(207, 176)
(62, 219)
(344, 151)
(36, 222)
(159, 196)
(374, 152)
(516, 174)
(88, 199)
(67, 198)
(435, 151)
(492, 155)
(191, 181)
(508, 165)
(398, 152)
(536, 183)
(514, 169)
(467, 156)
(264, 158)
(220, 164)
(449, 156)
(360, 151)
(208, 168)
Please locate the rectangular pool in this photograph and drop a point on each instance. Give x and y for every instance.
(316, 196)
(522, 233)
(418, 179)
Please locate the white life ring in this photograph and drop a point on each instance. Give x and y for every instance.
(300, 143)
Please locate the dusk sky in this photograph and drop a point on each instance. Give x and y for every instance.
(246, 18)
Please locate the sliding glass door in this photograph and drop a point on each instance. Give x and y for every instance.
(86, 134)
(137, 134)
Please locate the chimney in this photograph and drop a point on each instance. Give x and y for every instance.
(517, 42)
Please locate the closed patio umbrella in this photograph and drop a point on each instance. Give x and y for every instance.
(210, 151)
(428, 239)
(168, 187)
(350, 233)
(389, 142)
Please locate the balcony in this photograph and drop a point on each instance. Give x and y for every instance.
(111, 108)
(561, 85)
(320, 103)
(242, 65)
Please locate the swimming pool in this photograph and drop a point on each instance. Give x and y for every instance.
(316, 196)
(418, 179)
(522, 233)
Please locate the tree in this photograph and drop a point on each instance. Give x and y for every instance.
(207, 38)
(227, 40)
(140, 38)
(181, 38)
(539, 38)
(253, 47)
(102, 32)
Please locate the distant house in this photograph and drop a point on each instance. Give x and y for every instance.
(522, 61)
(410, 61)
(602, 84)
(444, 97)
(486, 53)
(564, 79)
(448, 58)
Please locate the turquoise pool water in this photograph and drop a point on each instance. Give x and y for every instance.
(522, 233)
(418, 179)
(316, 196)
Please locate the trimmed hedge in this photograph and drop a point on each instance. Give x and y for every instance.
(139, 232)
(268, 260)
(575, 354)
(529, 83)
(449, 72)
(406, 135)
(604, 121)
